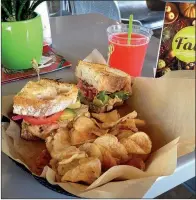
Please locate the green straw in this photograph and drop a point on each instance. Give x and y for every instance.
(130, 28)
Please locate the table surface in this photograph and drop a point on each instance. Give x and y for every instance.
(75, 37)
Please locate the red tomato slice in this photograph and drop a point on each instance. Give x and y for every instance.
(42, 120)
(17, 117)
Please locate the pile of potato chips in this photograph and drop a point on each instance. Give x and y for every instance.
(89, 146)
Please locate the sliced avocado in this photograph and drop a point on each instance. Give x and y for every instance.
(68, 114)
(97, 102)
(75, 105)
(121, 95)
(103, 97)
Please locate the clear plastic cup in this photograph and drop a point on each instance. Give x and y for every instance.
(124, 56)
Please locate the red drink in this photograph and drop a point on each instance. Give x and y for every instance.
(128, 57)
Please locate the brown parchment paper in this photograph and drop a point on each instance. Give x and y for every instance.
(168, 107)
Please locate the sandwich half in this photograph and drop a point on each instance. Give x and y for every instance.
(102, 87)
(46, 105)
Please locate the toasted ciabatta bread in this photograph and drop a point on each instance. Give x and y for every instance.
(103, 77)
(44, 98)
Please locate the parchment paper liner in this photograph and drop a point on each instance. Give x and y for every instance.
(168, 107)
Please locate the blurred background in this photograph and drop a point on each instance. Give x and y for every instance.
(149, 13)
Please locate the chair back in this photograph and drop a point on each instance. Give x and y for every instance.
(109, 9)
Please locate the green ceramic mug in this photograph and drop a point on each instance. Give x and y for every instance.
(21, 42)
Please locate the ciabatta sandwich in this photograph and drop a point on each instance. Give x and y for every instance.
(46, 105)
(102, 87)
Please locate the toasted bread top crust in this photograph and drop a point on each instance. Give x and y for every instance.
(44, 98)
(103, 77)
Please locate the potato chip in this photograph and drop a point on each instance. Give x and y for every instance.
(136, 162)
(143, 140)
(106, 140)
(111, 124)
(131, 115)
(92, 150)
(107, 117)
(108, 160)
(124, 134)
(144, 157)
(138, 143)
(79, 137)
(87, 170)
(87, 147)
(127, 124)
(139, 122)
(58, 142)
(99, 132)
(114, 131)
(131, 124)
(53, 164)
(82, 111)
(111, 143)
(62, 169)
(82, 131)
(65, 153)
(58, 178)
(78, 155)
(84, 124)
(99, 125)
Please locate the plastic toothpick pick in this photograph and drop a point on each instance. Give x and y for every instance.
(110, 51)
(36, 68)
